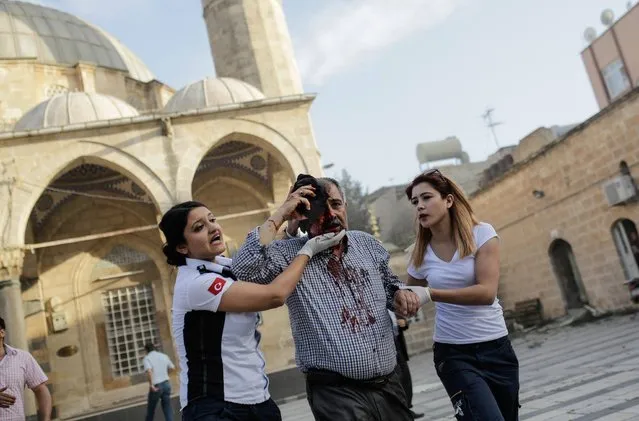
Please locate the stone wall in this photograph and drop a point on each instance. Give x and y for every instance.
(570, 172)
(25, 84)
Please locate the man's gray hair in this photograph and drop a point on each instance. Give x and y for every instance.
(334, 182)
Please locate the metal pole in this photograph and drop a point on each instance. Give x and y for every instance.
(126, 231)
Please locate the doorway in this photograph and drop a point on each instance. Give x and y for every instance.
(565, 267)
(626, 238)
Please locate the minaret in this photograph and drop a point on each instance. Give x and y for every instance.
(250, 41)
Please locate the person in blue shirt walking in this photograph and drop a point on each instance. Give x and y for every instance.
(157, 366)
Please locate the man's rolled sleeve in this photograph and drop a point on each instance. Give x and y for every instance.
(257, 263)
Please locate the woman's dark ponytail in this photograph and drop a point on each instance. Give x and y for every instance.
(172, 225)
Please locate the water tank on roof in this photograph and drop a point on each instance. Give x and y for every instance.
(448, 148)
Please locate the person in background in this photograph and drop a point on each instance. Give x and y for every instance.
(399, 326)
(456, 258)
(157, 366)
(18, 370)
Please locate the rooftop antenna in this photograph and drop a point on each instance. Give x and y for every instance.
(488, 118)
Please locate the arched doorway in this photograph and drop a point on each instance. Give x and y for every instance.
(89, 199)
(235, 179)
(626, 238)
(567, 272)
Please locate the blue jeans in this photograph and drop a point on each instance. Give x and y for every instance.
(482, 379)
(164, 394)
(209, 409)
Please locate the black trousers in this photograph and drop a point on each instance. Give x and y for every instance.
(404, 371)
(333, 397)
(210, 409)
(482, 380)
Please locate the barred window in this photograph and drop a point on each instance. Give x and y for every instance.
(130, 324)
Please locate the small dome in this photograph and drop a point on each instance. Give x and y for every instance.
(74, 108)
(212, 92)
(30, 31)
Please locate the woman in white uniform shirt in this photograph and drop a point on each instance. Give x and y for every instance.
(214, 318)
(457, 258)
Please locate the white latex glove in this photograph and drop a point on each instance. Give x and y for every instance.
(422, 292)
(321, 243)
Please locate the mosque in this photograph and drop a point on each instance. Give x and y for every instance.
(93, 149)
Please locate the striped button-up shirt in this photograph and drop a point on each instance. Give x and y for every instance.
(338, 311)
(18, 369)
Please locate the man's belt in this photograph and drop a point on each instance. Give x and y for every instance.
(331, 378)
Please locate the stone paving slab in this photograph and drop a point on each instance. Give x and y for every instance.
(583, 373)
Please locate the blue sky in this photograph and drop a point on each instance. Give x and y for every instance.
(388, 78)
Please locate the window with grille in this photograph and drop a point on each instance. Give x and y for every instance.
(130, 324)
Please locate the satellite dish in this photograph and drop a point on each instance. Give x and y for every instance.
(608, 17)
(590, 34)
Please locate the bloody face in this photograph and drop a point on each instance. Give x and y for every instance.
(333, 216)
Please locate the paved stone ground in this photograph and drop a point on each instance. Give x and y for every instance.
(583, 373)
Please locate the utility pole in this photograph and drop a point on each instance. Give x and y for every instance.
(488, 119)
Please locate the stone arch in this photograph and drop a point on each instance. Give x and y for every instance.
(626, 239)
(53, 227)
(567, 273)
(244, 181)
(31, 187)
(85, 313)
(244, 198)
(246, 131)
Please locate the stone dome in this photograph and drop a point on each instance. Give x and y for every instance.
(30, 31)
(212, 92)
(74, 108)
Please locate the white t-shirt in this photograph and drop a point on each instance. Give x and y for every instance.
(160, 364)
(219, 352)
(461, 324)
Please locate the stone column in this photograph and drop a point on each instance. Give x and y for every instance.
(11, 307)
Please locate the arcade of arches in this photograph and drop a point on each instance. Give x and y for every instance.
(90, 301)
(94, 149)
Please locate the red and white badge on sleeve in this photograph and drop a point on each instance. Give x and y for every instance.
(217, 286)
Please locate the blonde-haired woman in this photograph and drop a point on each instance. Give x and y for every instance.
(457, 258)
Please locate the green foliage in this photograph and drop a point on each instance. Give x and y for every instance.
(359, 217)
